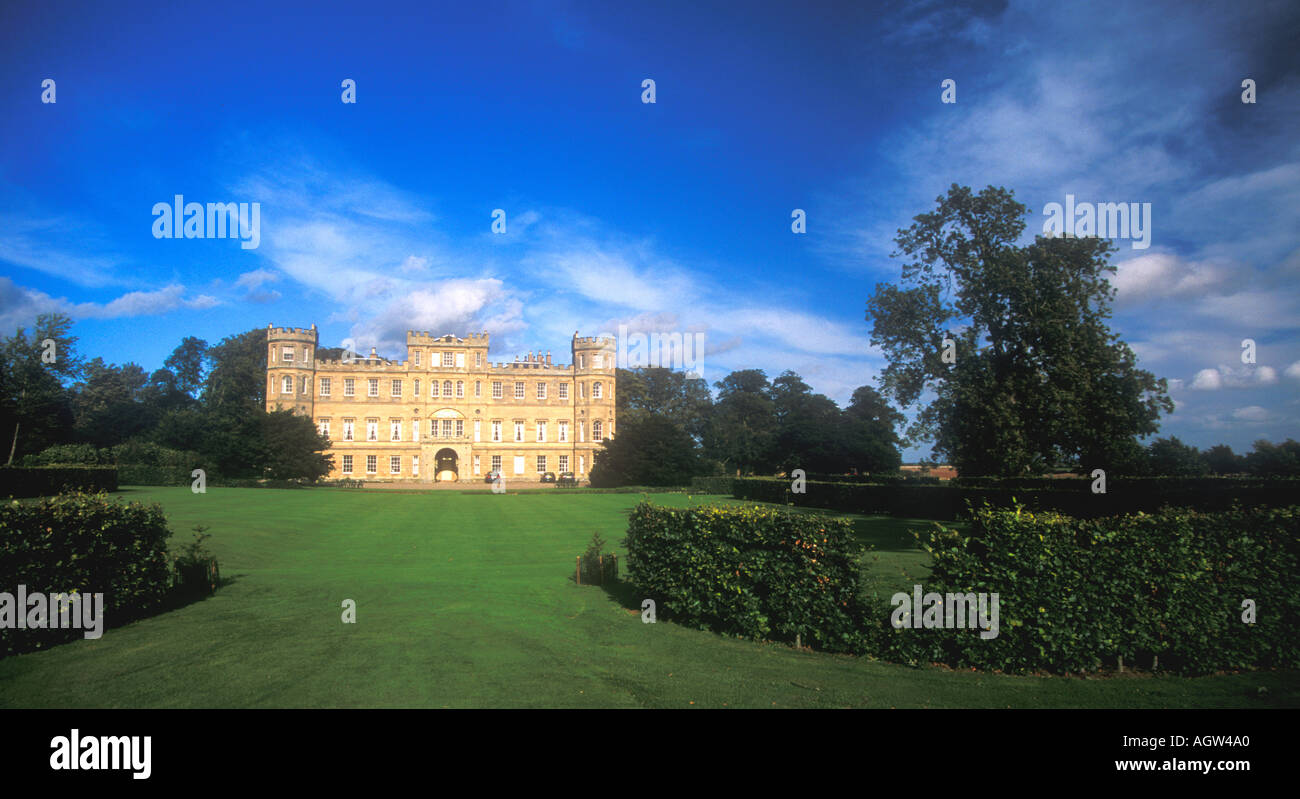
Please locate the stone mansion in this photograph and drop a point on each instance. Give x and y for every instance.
(446, 413)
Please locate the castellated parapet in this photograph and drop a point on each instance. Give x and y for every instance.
(446, 412)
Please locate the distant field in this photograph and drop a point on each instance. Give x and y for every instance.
(467, 600)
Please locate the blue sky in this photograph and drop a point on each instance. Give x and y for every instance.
(674, 216)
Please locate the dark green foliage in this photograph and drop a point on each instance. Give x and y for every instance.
(40, 481)
(87, 543)
(1038, 376)
(649, 449)
(712, 485)
(596, 566)
(1075, 497)
(1078, 594)
(1172, 458)
(196, 567)
(1274, 460)
(754, 572)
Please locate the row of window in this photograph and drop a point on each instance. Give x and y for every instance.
(455, 428)
(447, 386)
(449, 359)
(395, 464)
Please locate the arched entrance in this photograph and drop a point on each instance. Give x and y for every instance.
(444, 466)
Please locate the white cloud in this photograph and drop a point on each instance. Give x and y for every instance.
(1234, 377)
(1293, 371)
(1163, 276)
(1251, 413)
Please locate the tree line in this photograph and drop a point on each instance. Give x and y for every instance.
(206, 406)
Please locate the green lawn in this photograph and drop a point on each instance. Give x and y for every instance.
(466, 600)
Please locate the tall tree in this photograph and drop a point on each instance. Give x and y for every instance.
(35, 404)
(236, 380)
(808, 432)
(743, 425)
(870, 433)
(186, 364)
(655, 389)
(651, 450)
(1170, 457)
(108, 404)
(1038, 378)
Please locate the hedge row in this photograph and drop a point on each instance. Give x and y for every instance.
(17, 481)
(1159, 484)
(1077, 594)
(712, 485)
(951, 502)
(85, 543)
(752, 572)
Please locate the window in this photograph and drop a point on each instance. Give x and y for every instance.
(306, 387)
(595, 390)
(395, 464)
(564, 463)
(286, 354)
(397, 388)
(496, 389)
(519, 390)
(564, 430)
(595, 430)
(496, 463)
(347, 429)
(597, 362)
(433, 428)
(478, 388)
(374, 386)
(349, 387)
(582, 432)
(478, 360)
(446, 388)
(496, 430)
(541, 431)
(446, 428)
(582, 464)
(477, 467)
(460, 428)
(460, 360)
(541, 464)
(460, 388)
(323, 427)
(415, 465)
(324, 386)
(449, 359)
(347, 464)
(417, 359)
(478, 431)
(372, 464)
(564, 391)
(372, 430)
(582, 390)
(286, 385)
(415, 429)
(541, 391)
(395, 429)
(416, 393)
(519, 431)
(582, 361)
(519, 464)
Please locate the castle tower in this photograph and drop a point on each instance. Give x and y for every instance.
(291, 368)
(594, 363)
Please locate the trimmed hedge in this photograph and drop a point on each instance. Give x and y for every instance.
(21, 481)
(712, 485)
(85, 543)
(1077, 594)
(752, 572)
(946, 503)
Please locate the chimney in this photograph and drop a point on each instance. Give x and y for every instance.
(548, 357)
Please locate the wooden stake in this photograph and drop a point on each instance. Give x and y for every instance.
(577, 571)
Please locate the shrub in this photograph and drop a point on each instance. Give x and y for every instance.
(196, 567)
(596, 566)
(87, 543)
(48, 480)
(754, 572)
(1073, 497)
(712, 485)
(1076, 594)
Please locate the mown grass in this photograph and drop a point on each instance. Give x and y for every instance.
(467, 600)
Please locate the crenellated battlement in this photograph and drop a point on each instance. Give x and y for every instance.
(308, 335)
(593, 342)
(425, 338)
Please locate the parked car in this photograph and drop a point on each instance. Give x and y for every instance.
(491, 477)
(549, 477)
(567, 480)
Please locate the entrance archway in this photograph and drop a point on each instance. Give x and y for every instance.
(444, 466)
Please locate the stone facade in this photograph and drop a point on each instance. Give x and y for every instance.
(447, 413)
